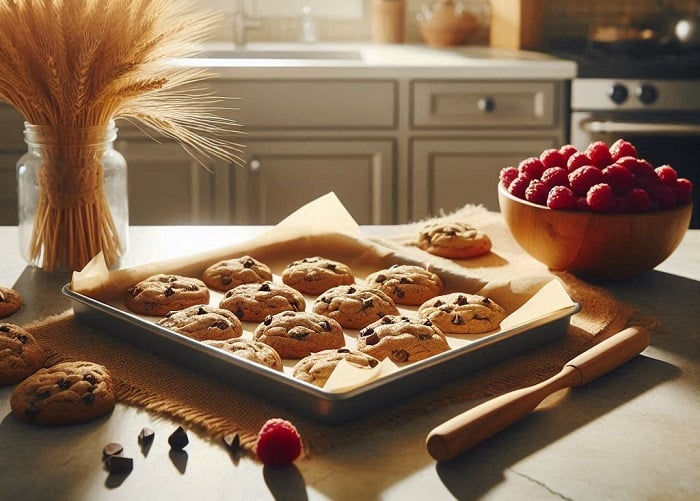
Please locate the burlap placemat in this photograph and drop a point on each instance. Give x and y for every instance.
(200, 402)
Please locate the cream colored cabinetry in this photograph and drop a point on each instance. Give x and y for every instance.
(464, 132)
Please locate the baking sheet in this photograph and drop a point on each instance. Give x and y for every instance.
(538, 311)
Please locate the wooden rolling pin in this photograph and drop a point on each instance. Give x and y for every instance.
(471, 427)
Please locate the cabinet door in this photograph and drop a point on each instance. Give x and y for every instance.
(448, 174)
(8, 188)
(166, 186)
(281, 176)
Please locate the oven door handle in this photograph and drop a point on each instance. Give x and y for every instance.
(622, 127)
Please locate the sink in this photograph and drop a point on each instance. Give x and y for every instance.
(284, 54)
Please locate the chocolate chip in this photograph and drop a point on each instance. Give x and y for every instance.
(342, 350)
(427, 322)
(372, 339)
(438, 303)
(248, 263)
(22, 339)
(331, 266)
(4, 328)
(201, 311)
(380, 279)
(457, 320)
(88, 398)
(112, 449)
(486, 300)
(239, 313)
(268, 320)
(387, 320)
(90, 378)
(297, 334)
(398, 292)
(400, 355)
(178, 439)
(366, 332)
(462, 300)
(226, 279)
(232, 441)
(352, 290)
(373, 362)
(169, 291)
(265, 287)
(119, 464)
(63, 384)
(222, 325)
(367, 303)
(405, 280)
(325, 325)
(146, 435)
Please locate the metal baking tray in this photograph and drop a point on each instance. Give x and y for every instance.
(305, 398)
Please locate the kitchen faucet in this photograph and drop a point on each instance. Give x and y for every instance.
(243, 20)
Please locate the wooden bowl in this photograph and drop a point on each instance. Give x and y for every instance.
(593, 245)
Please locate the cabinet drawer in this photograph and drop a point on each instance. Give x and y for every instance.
(483, 104)
(304, 104)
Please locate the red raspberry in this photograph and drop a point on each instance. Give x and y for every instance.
(666, 174)
(583, 178)
(582, 204)
(536, 192)
(279, 443)
(664, 197)
(552, 158)
(531, 167)
(555, 176)
(638, 166)
(638, 200)
(567, 150)
(561, 198)
(622, 148)
(518, 186)
(599, 153)
(682, 190)
(619, 177)
(578, 159)
(507, 175)
(600, 198)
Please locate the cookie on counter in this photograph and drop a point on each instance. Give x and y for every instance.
(453, 240)
(20, 354)
(297, 334)
(254, 302)
(318, 367)
(314, 275)
(248, 349)
(10, 301)
(66, 393)
(203, 322)
(402, 339)
(460, 313)
(230, 273)
(162, 293)
(406, 284)
(353, 306)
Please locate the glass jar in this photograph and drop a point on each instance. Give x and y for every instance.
(72, 197)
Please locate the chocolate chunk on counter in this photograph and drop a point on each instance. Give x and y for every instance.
(146, 435)
(112, 449)
(119, 464)
(178, 439)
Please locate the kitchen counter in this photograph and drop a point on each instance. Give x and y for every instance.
(351, 60)
(632, 434)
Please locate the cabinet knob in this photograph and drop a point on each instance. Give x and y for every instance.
(254, 165)
(486, 104)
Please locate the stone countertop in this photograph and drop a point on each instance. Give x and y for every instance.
(354, 61)
(631, 434)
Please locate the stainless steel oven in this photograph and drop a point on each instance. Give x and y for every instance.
(649, 95)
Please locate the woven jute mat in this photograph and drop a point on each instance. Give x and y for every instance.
(149, 381)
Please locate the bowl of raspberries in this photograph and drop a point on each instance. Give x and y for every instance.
(601, 213)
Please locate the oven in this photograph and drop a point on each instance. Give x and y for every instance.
(648, 95)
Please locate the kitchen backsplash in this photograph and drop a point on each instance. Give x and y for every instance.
(348, 20)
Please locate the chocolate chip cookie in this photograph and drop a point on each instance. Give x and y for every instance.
(20, 354)
(67, 393)
(460, 313)
(202, 322)
(453, 240)
(402, 339)
(354, 307)
(10, 301)
(318, 367)
(314, 275)
(254, 302)
(162, 293)
(406, 284)
(230, 273)
(297, 334)
(254, 351)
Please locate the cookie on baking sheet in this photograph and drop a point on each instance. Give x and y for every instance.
(453, 240)
(159, 294)
(406, 284)
(318, 367)
(202, 322)
(460, 313)
(354, 307)
(297, 334)
(230, 273)
(314, 275)
(10, 301)
(248, 349)
(402, 339)
(20, 354)
(254, 302)
(67, 393)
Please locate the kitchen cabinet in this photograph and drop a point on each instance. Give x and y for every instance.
(12, 147)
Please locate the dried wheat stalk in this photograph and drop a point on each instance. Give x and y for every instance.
(76, 64)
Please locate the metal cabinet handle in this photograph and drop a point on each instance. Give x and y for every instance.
(486, 104)
(610, 126)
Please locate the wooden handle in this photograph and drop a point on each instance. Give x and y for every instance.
(475, 425)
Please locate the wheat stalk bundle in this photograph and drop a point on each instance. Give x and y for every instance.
(73, 66)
